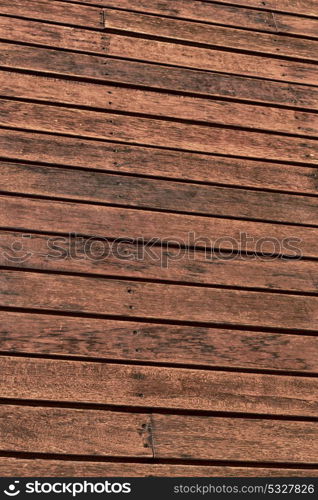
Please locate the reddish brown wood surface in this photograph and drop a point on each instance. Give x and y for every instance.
(105, 258)
(157, 387)
(114, 157)
(157, 301)
(213, 35)
(71, 468)
(234, 439)
(103, 433)
(211, 12)
(175, 54)
(210, 35)
(190, 122)
(193, 81)
(115, 222)
(112, 98)
(52, 430)
(139, 192)
(155, 132)
(149, 342)
(302, 7)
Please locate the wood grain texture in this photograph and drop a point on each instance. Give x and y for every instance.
(128, 260)
(71, 38)
(157, 301)
(114, 157)
(102, 433)
(235, 439)
(69, 468)
(148, 342)
(302, 7)
(211, 35)
(229, 15)
(79, 432)
(105, 69)
(139, 192)
(157, 387)
(55, 12)
(110, 98)
(187, 230)
(156, 132)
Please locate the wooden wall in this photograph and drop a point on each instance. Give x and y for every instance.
(124, 121)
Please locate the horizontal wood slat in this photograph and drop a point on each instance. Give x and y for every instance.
(104, 156)
(115, 222)
(157, 387)
(229, 15)
(112, 98)
(74, 255)
(100, 68)
(175, 54)
(148, 342)
(102, 433)
(211, 35)
(79, 432)
(156, 194)
(302, 7)
(92, 17)
(69, 468)
(157, 301)
(234, 439)
(155, 132)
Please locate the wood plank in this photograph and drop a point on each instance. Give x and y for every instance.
(302, 7)
(157, 132)
(210, 35)
(149, 342)
(145, 300)
(103, 69)
(102, 433)
(110, 98)
(208, 438)
(114, 157)
(157, 387)
(99, 187)
(69, 468)
(141, 49)
(106, 258)
(56, 12)
(190, 231)
(92, 17)
(81, 432)
(229, 15)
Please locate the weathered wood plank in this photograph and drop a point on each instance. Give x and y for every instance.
(104, 258)
(157, 387)
(112, 98)
(100, 68)
(302, 7)
(102, 433)
(148, 342)
(211, 35)
(141, 49)
(68, 468)
(145, 300)
(186, 230)
(139, 192)
(106, 156)
(207, 438)
(79, 432)
(156, 132)
(55, 12)
(229, 15)
(92, 17)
